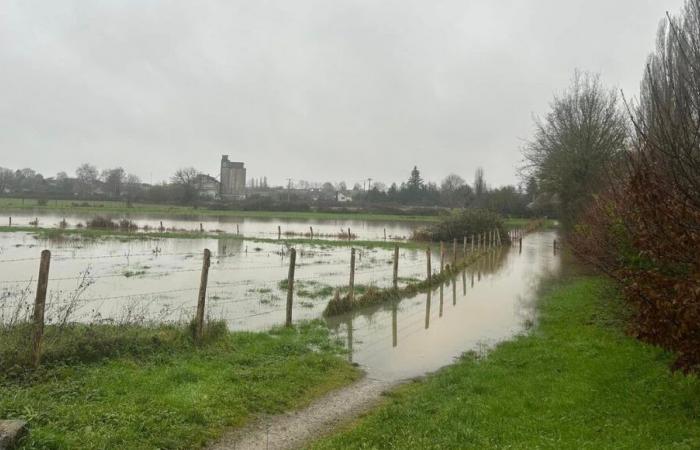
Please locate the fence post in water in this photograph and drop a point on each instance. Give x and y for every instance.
(237, 230)
(555, 246)
(10, 221)
(39, 307)
(290, 286)
(199, 319)
(430, 271)
(201, 227)
(442, 256)
(279, 232)
(454, 253)
(352, 275)
(521, 244)
(349, 234)
(396, 267)
(385, 234)
(472, 243)
(311, 230)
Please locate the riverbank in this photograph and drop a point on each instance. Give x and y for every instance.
(577, 381)
(175, 396)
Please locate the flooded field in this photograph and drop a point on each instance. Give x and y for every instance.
(251, 227)
(157, 280)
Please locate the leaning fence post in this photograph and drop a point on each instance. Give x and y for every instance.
(40, 306)
(311, 229)
(290, 286)
(199, 319)
(430, 271)
(396, 267)
(352, 275)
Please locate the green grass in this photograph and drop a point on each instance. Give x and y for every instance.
(576, 382)
(177, 397)
(115, 207)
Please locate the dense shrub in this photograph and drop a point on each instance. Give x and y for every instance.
(101, 222)
(645, 230)
(461, 223)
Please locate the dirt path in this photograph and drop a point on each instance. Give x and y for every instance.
(296, 428)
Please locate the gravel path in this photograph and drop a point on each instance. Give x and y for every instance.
(296, 428)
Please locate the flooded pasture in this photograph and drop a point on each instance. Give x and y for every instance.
(246, 226)
(110, 280)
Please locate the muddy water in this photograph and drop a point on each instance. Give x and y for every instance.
(487, 303)
(157, 280)
(251, 227)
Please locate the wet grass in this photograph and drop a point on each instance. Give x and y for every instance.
(312, 289)
(174, 395)
(373, 295)
(113, 207)
(578, 381)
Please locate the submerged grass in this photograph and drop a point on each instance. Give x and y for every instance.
(373, 295)
(175, 395)
(578, 381)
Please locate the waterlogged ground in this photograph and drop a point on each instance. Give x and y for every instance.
(251, 227)
(112, 280)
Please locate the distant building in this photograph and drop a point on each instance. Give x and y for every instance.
(207, 186)
(232, 185)
(342, 198)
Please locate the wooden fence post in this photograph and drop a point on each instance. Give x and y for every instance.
(238, 231)
(472, 243)
(555, 246)
(40, 306)
(279, 232)
(430, 271)
(396, 267)
(10, 221)
(464, 249)
(201, 227)
(352, 275)
(454, 253)
(385, 234)
(290, 286)
(442, 256)
(521, 244)
(349, 234)
(199, 319)
(311, 229)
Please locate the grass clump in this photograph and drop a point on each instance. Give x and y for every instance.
(578, 381)
(177, 396)
(461, 223)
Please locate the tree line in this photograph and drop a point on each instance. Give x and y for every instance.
(626, 177)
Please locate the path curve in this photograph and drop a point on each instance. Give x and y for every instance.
(296, 428)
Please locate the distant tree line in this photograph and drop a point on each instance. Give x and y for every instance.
(186, 187)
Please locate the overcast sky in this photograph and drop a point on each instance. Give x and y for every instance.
(307, 89)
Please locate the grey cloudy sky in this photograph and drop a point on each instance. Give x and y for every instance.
(307, 89)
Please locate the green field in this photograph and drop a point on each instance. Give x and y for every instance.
(113, 207)
(576, 382)
(178, 396)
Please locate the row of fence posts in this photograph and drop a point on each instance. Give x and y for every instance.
(478, 242)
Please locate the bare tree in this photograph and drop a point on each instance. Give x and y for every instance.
(86, 176)
(576, 142)
(186, 180)
(114, 180)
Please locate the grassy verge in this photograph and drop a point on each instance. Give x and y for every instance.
(576, 382)
(114, 207)
(373, 295)
(175, 396)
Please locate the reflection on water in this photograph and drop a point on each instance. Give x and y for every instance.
(412, 337)
(392, 340)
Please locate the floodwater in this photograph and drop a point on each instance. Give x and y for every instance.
(158, 280)
(249, 227)
(490, 302)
